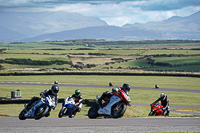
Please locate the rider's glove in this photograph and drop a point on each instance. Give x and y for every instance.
(42, 95)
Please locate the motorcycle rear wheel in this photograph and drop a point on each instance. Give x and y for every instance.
(118, 110)
(39, 114)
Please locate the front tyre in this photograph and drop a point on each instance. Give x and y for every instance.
(21, 115)
(151, 113)
(41, 111)
(118, 110)
(93, 112)
(61, 113)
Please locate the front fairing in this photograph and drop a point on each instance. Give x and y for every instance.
(50, 101)
(123, 96)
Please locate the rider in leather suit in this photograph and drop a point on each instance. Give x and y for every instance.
(164, 102)
(78, 101)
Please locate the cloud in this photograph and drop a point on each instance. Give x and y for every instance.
(114, 12)
(160, 5)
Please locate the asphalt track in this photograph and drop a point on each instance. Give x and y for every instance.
(75, 125)
(101, 86)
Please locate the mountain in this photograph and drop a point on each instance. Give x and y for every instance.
(174, 24)
(100, 32)
(36, 23)
(173, 28)
(7, 34)
(53, 28)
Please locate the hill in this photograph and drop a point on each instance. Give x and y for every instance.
(36, 23)
(61, 26)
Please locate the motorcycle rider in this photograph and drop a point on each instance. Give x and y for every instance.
(78, 101)
(53, 91)
(107, 95)
(164, 102)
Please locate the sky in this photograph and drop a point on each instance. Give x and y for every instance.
(113, 12)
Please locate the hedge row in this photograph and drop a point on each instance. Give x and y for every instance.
(33, 62)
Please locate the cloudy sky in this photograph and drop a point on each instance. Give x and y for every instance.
(114, 12)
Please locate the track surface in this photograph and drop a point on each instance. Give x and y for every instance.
(101, 86)
(46, 125)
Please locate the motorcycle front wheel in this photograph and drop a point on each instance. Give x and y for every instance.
(21, 115)
(93, 112)
(41, 111)
(151, 113)
(118, 110)
(61, 113)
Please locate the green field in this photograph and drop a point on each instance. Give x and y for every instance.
(97, 44)
(95, 55)
(186, 63)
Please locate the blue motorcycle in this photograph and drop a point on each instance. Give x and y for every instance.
(39, 108)
(68, 108)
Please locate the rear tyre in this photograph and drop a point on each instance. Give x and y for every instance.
(93, 112)
(41, 111)
(21, 115)
(118, 110)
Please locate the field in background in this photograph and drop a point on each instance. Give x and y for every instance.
(100, 55)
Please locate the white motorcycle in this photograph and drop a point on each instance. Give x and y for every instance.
(114, 108)
(39, 108)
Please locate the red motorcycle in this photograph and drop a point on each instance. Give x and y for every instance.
(115, 107)
(156, 109)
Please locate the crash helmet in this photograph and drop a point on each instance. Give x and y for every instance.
(126, 87)
(55, 82)
(162, 96)
(77, 92)
(55, 89)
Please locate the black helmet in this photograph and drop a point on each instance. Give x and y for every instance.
(55, 89)
(126, 87)
(55, 82)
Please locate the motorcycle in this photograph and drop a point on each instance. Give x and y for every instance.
(68, 108)
(156, 109)
(38, 109)
(115, 107)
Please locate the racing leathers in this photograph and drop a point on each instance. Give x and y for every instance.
(78, 102)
